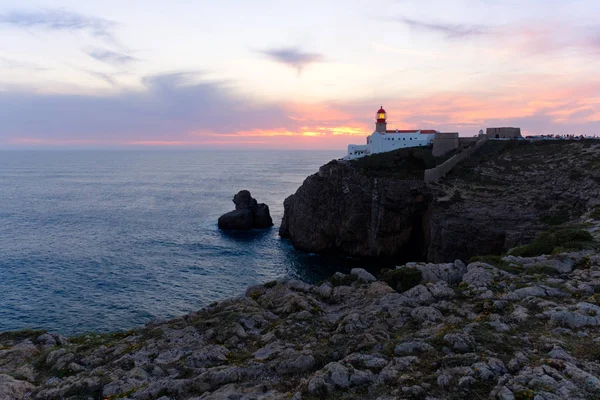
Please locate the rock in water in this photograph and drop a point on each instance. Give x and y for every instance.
(248, 214)
(243, 200)
(262, 216)
(237, 219)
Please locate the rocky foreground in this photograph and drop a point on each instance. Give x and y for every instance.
(528, 328)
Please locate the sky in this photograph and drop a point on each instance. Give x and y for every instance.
(291, 74)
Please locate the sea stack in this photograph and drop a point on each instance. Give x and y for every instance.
(248, 214)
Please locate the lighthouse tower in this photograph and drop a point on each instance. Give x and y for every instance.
(381, 125)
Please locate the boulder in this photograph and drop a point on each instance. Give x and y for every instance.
(262, 216)
(237, 219)
(248, 214)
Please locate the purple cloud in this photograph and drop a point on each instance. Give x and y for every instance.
(59, 20)
(448, 30)
(171, 107)
(293, 57)
(110, 57)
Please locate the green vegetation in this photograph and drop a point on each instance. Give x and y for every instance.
(497, 262)
(409, 163)
(556, 240)
(596, 213)
(402, 279)
(507, 157)
(559, 216)
(541, 270)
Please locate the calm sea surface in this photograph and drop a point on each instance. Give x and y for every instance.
(108, 240)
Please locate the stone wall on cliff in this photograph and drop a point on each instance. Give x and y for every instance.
(436, 173)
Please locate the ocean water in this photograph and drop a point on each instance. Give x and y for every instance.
(109, 240)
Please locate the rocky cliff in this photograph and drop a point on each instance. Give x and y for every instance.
(498, 198)
(342, 209)
(523, 328)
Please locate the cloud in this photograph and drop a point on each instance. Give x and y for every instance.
(110, 57)
(108, 78)
(171, 108)
(10, 63)
(449, 30)
(58, 20)
(293, 57)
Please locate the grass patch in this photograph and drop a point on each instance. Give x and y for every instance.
(497, 262)
(402, 279)
(541, 270)
(557, 217)
(555, 240)
(596, 213)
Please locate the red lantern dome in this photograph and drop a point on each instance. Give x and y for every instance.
(381, 115)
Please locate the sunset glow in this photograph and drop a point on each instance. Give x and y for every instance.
(248, 74)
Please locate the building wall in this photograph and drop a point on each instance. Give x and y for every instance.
(384, 142)
(434, 174)
(503, 133)
(444, 143)
(381, 143)
(356, 151)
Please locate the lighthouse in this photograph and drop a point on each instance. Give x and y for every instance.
(383, 140)
(381, 125)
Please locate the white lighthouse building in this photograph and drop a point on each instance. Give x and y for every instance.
(383, 140)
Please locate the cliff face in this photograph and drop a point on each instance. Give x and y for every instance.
(342, 209)
(498, 198)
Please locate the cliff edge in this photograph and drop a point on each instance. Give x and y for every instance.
(500, 197)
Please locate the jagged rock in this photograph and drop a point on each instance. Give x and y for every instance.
(349, 339)
(426, 314)
(481, 275)
(11, 388)
(535, 291)
(412, 348)
(460, 342)
(333, 377)
(362, 275)
(248, 214)
(450, 272)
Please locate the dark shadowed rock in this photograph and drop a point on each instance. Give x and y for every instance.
(342, 209)
(237, 219)
(499, 198)
(243, 200)
(248, 214)
(262, 216)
